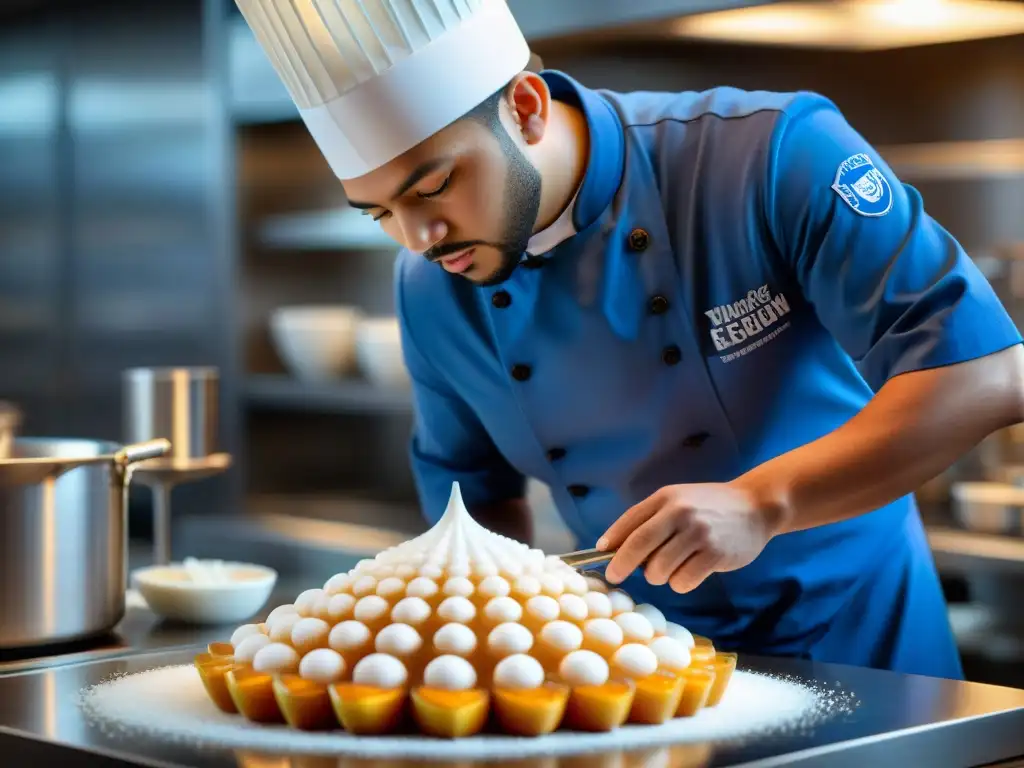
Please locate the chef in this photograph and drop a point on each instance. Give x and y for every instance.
(716, 324)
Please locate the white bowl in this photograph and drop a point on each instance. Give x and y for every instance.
(316, 343)
(379, 352)
(171, 592)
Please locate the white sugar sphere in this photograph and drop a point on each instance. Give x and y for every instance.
(380, 670)
(603, 632)
(572, 607)
(679, 633)
(458, 586)
(672, 655)
(576, 583)
(543, 607)
(562, 635)
(509, 638)
(635, 660)
(621, 602)
(458, 609)
(339, 582)
(635, 627)
(552, 584)
(281, 629)
(305, 602)
(277, 613)
(455, 638)
(244, 631)
(348, 635)
(583, 668)
(452, 673)
(322, 666)
(399, 640)
(423, 587)
(411, 610)
(371, 608)
(596, 585)
(598, 605)
(502, 609)
(390, 587)
(526, 586)
(247, 649)
(494, 586)
(364, 585)
(518, 671)
(405, 571)
(654, 616)
(276, 658)
(310, 633)
(340, 607)
(431, 571)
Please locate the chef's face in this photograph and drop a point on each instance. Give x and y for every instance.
(467, 198)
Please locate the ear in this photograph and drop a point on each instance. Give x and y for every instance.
(529, 100)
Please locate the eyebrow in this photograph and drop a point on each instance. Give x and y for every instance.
(423, 169)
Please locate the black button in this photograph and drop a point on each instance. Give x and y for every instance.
(521, 372)
(501, 299)
(639, 240)
(671, 355)
(659, 305)
(556, 453)
(579, 491)
(696, 441)
(533, 262)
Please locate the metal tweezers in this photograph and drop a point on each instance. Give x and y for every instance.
(587, 559)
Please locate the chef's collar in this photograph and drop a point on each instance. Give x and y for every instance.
(605, 163)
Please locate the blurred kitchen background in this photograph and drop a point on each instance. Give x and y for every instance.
(162, 205)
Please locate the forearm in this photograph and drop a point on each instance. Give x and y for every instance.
(511, 518)
(913, 429)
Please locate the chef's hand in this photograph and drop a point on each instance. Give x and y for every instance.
(684, 533)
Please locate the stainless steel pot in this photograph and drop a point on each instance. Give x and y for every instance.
(10, 420)
(63, 538)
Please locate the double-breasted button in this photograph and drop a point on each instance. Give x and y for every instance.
(501, 299)
(578, 491)
(521, 372)
(532, 262)
(639, 240)
(671, 355)
(658, 305)
(696, 440)
(554, 454)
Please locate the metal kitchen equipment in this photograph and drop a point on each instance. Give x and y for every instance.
(988, 507)
(184, 404)
(587, 559)
(10, 421)
(63, 538)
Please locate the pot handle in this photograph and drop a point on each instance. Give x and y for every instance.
(151, 449)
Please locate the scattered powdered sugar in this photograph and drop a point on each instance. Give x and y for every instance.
(170, 703)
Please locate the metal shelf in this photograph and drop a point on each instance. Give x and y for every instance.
(342, 396)
(332, 229)
(959, 551)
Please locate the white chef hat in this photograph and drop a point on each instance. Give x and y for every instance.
(374, 78)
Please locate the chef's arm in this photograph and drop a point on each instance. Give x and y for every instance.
(914, 428)
(901, 296)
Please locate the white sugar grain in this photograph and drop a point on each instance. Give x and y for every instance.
(171, 704)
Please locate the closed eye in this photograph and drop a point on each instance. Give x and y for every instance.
(438, 191)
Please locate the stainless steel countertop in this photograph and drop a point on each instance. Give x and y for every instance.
(901, 720)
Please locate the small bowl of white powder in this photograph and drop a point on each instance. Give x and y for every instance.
(205, 591)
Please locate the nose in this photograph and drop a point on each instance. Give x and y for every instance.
(420, 235)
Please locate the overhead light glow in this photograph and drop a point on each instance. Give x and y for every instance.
(857, 24)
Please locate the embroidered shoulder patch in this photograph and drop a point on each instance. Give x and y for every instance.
(862, 186)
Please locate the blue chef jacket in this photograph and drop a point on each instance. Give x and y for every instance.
(746, 272)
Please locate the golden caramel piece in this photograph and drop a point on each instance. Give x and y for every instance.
(702, 654)
(221, 649)
(599, 707)
(306, 705)
(698, 682)
(657, 698)
(723, 665)
(213, 672)
(367, 710)
(450, 714)
(253, 695)
(531, 711)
